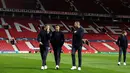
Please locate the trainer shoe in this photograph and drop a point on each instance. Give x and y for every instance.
(73, 68)
(124, 63)
(57, 67)
(45, 66)
(42, 68)
(79, 68)
(119, 63)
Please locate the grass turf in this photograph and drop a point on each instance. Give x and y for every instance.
(92, 63)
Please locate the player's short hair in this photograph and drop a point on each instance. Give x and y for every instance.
(124, 31)
(57, 25)
(77, 22)
(47, 25)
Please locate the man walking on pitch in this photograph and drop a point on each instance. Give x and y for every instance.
(57, 40)
(122, 42)
(77, 45)
(43, 39)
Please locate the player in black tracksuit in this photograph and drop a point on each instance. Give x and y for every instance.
(57, 40)
(77, 45)
(43, 39)
(122, 42)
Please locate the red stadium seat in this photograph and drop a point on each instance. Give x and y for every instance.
(4, 46)
(22, 46)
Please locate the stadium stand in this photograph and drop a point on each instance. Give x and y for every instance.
(94, 37)
(118, 8)
(23, 47)
(89, 5)
(34, 43)
(25, 27)
(58, 5)
(20, 4)
(2, 33)
(14, 4)
(113, 44)
(0, 4)
(4, 46)
(100, 47)
(27, 24)
(97, 37)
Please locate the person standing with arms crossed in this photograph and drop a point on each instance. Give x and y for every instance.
(122, 42)
(57, 41)
(43, 39)
(77, 45)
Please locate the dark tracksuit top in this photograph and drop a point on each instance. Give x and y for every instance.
(44, 37)
(122, 41)
(57, 39)
(77, 37)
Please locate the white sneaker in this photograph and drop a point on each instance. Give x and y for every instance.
(57, 67)
(73, 68)
(119, 63)
(79, 68)
(45, 66)
(42, 67)
(124, 63)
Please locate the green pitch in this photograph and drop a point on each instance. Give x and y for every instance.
(92, 63)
